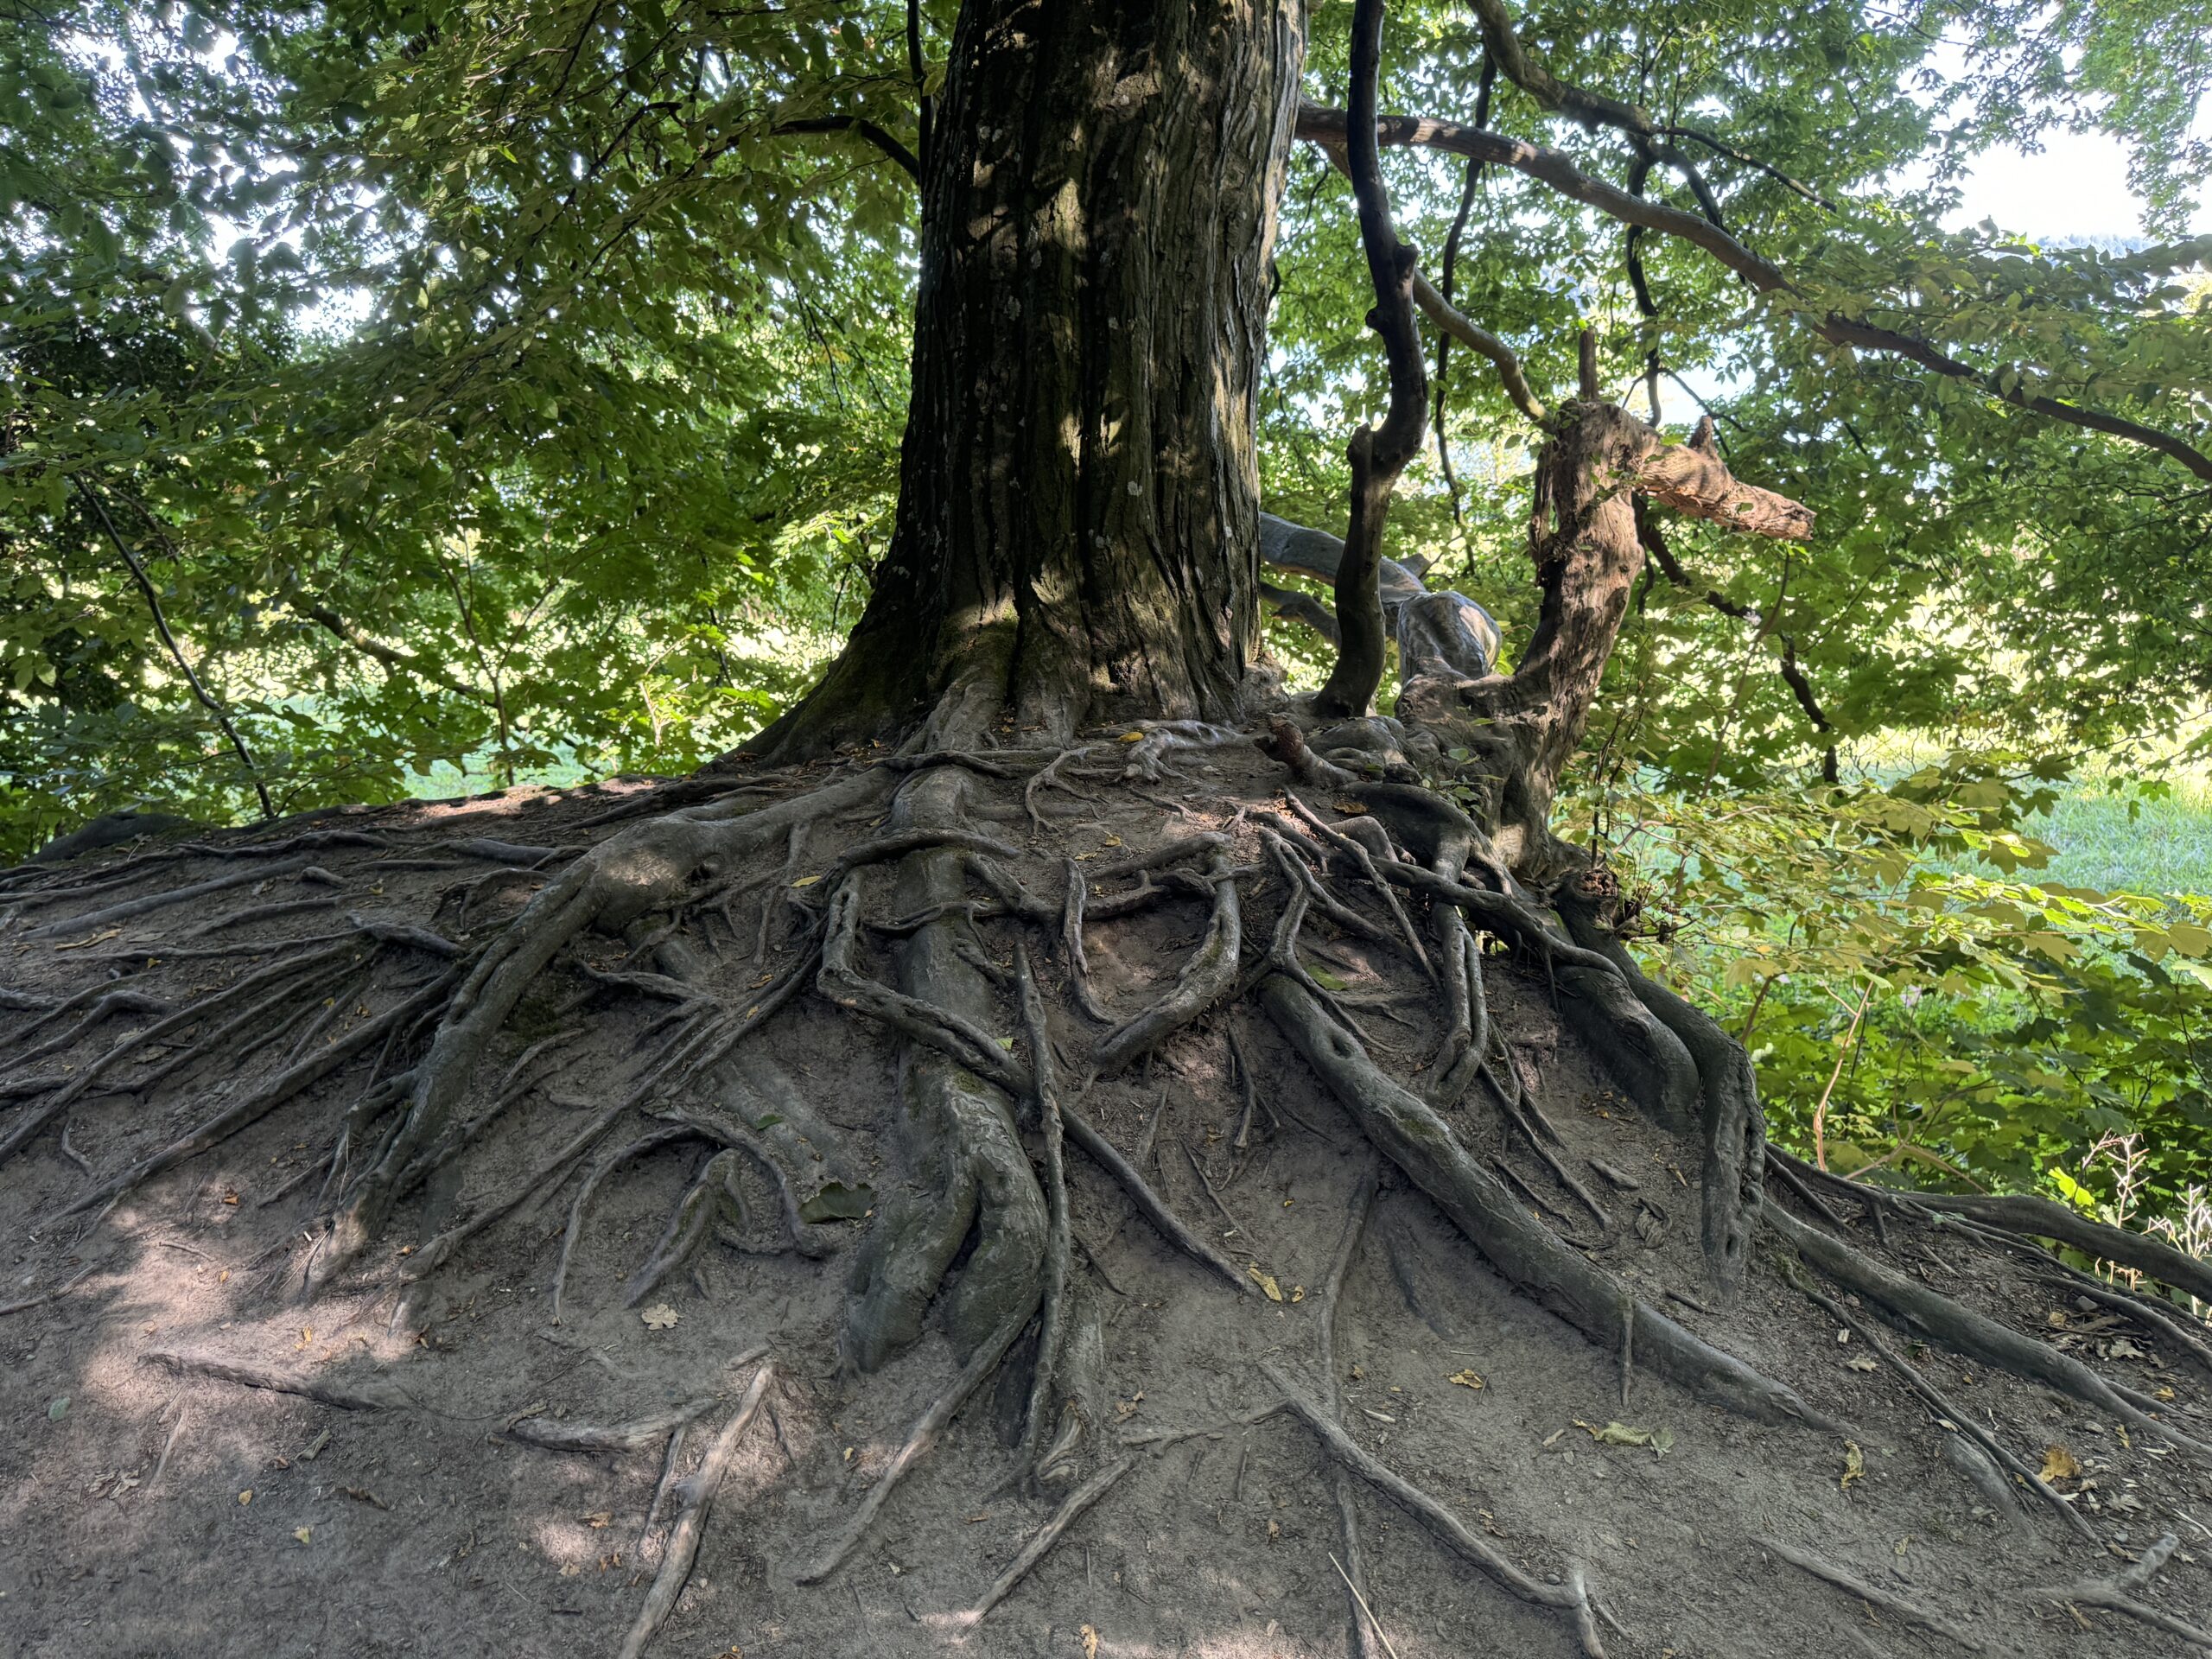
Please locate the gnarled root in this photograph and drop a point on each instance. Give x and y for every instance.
(691, 1517)
(1941, 1320)
(2118, 1594)
(634, 872)
(954, 1117)
(1410, 1134)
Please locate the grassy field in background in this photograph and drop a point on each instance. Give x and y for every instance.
(2112, 844)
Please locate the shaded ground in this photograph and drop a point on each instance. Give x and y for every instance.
(420, 1525)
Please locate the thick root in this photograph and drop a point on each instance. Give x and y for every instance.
(1941, 1320)
(1421, 1144)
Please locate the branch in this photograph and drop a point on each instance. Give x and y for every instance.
(162, 626)
(1377, 454)
(917, 66)
(1596, 110)
(1325, 127)
(1441, 311)
(1446, 275)
(1792, 676)
(861, 127)
(406, 662)
(1694, 481)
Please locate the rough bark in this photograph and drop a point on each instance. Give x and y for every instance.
(1524, 728)
(1078, 500)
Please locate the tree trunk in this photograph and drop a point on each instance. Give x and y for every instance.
(1077, 527)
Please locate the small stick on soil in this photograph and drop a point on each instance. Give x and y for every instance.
(162, 1463)
(1373, 1623)
(373, 1397)
(1628, 1344)
(2115, 1594)
(1235, 1226)
(1048, 1534)
(691, 1518)
(1911, 1612)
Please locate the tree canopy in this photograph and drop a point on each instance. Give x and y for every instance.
(519, 387)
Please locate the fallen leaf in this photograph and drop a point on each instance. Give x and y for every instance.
(1466, 1380)
(601, 1522)
(1273, 1531)
(660, 1316)
(53, 1412)
(1854, 1465)
(1126, 737)
(2059, 1464)
(1861, 1363)
(1090, 1642)
(303, 1532)
(246, 1496)
(1267, 1284)
(230, 1197)
(1660, 1441)
(806, 881)
(570, 1570)
(1298, 1294)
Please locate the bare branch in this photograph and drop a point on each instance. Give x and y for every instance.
(405, 662)
(220, 716)
(1325, 127)
(860, 127)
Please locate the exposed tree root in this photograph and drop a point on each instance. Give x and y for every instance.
(919, 1440)
(1571, 1597)
(555, 1435)
(697, 1503)
(1911, 1612)
(2035, 1217)
(1947, 1414)
(1171, 1227)
(1049, 1404)
(1941, 1320)
(1205, 979)
(1365, 1632)
(2117, 1594)
(375, 1394)
(972, 1232)
(1421, 1144)
(1040, 1543)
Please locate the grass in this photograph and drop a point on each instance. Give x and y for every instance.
(2114, 844)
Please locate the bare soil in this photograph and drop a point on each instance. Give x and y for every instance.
(150, 1511)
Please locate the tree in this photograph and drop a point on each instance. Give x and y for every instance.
(1069, 604)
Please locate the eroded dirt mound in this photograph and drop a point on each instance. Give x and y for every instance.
(1273, 1357)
